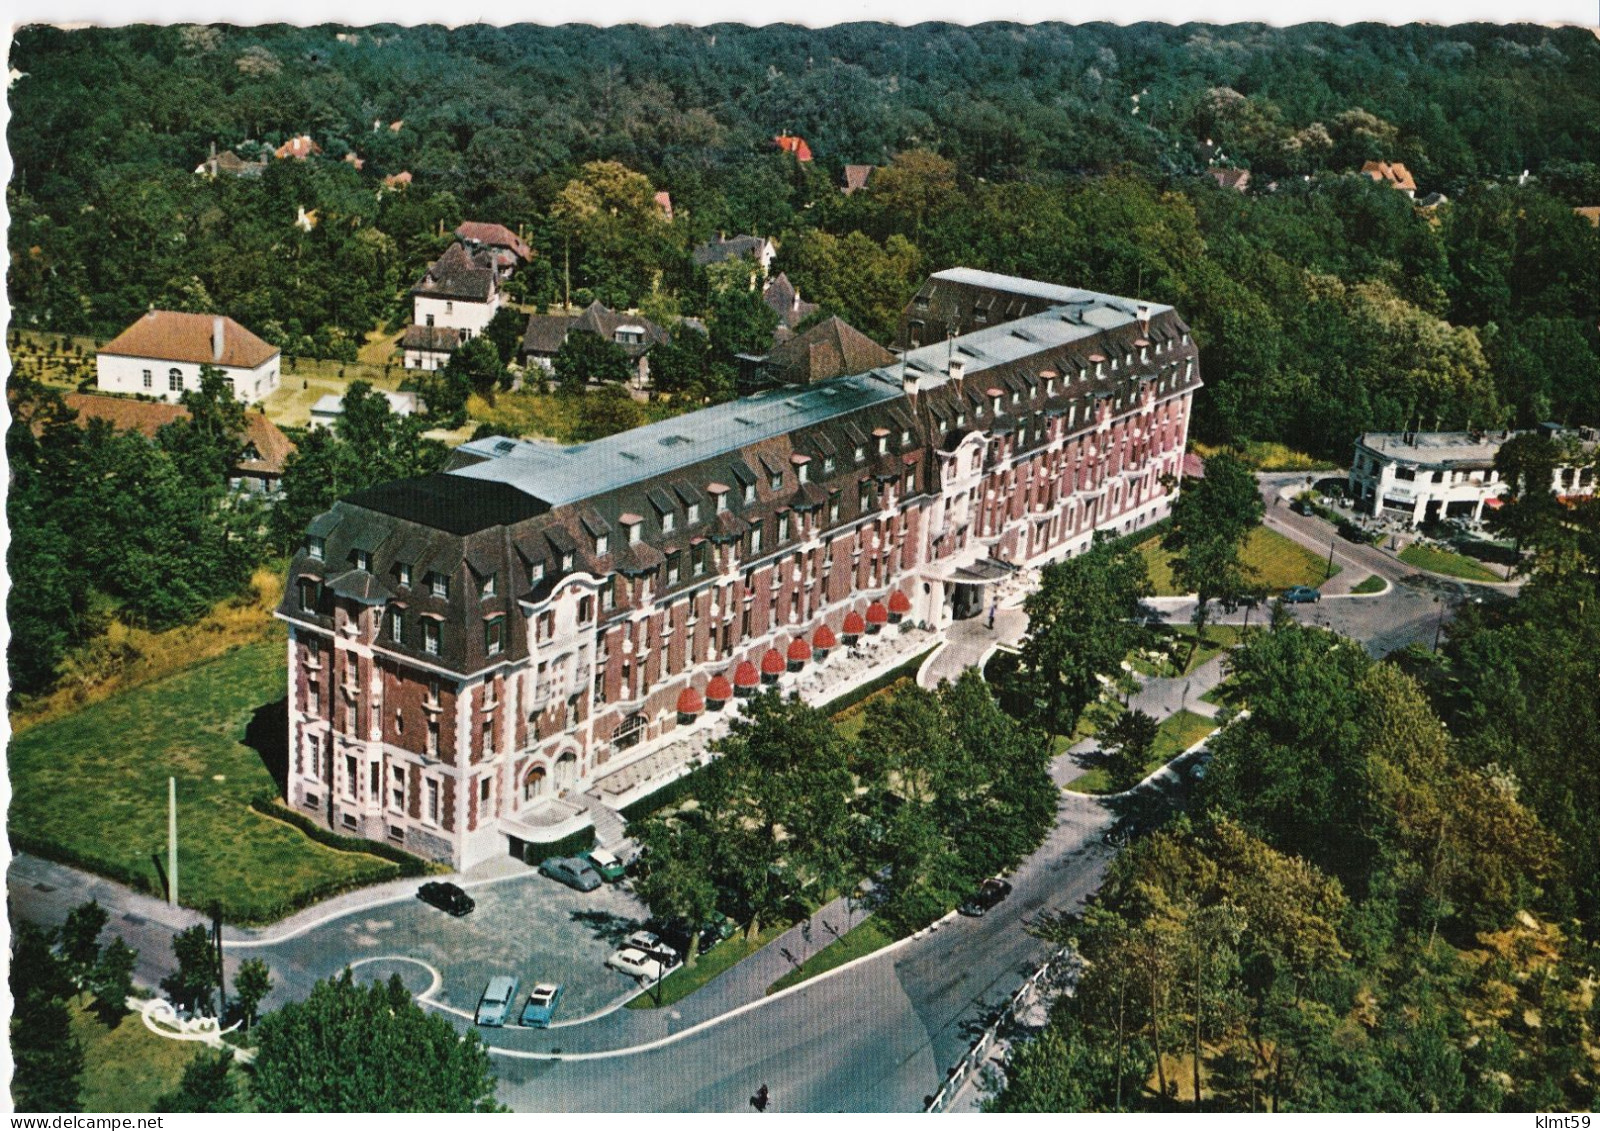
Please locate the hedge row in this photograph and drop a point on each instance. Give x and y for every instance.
(258, 912)
(668, 794)
(572, 844)
(61, 854)
(850, 698)
(410, 865)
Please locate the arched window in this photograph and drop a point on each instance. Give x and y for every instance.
(175, 380)
(533, 783)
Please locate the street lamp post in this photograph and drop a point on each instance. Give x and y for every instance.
(1331, 543)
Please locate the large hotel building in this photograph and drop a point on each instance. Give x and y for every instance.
(467, 646)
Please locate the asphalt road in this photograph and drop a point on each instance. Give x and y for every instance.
(877, 1037)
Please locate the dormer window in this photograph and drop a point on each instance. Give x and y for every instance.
(566, 561)
(397, 631)
(774, 482)
(316, 547)
(668, 521)
(755, 537)
(802, 472)
(719, 496)
(750, 491)
(602, 545)
(439, 585)
(994, 405)
(536, 573)
(827, 465)
(905, 438)
(783, 528)
(861, 452)
(430, 638)
(883, 442)
(490, 584)
(403, 573)
(1049, 386)
(961, 419)
(693, 515)
(633, 533)
(361, 560)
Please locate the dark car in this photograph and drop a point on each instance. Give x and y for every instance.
(574, 871)
(989, 893)
(1300, 595)
(446, 897)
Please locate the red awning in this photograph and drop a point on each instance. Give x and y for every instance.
(719, 689)
(746, 675)
(899, 602)
(877, 614)
(772, 662)
(824, 638)
(853, 624)
(690, 702)
(799, 650)
(1494, 504)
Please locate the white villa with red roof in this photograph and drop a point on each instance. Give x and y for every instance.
(161, 354)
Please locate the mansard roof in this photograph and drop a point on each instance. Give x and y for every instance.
(538, 511)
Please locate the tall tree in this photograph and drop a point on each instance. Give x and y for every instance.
(192, 985)
(1211, 519)
(1083, 620)
(251, 984)
(1127, 745)
(364, 1048)
(207, 1085)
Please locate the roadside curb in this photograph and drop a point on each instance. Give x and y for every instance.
(737, 1011)
(1160, 771)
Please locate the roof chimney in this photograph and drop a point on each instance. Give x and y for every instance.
(216, 338)
(908, 380)
(1143, 313)
(958, 370)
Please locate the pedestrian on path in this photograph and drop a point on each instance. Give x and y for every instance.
(994, 607)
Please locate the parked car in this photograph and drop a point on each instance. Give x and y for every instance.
(541, 1005)
(645, 940)
(446, 897)
(496, 1001)
(574, 871)
(605, 862)
(647, 966)
(989, 893)
(713, 931)
(1300, 595)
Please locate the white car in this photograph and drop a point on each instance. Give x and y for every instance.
(647, 966)
(646, 941)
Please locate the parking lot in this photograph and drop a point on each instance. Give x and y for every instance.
(528, 926)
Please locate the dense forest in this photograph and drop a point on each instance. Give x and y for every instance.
(1383, 894)
(1325, 303)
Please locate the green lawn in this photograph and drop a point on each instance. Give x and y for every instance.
(128, 1068)
(859, 940)
(91, 789)
(1177, 734)
(1443, 561)
(730, 953)
(1373, 584)
(1279, 563)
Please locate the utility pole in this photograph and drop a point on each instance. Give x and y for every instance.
(172, 842)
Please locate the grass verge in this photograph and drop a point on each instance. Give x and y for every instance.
(1279, 562)
(1373, 584)
(864, 938)
(1176, 734)
(1445, 562)
(714, 962)
(127, 1068)
(90, 790)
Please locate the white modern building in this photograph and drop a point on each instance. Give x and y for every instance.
(1421, 476)
(162, 353)
(327, 411)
